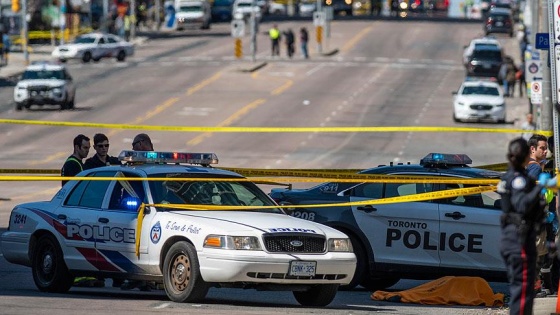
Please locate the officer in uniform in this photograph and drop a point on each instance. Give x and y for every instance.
(523, 205)
(73, 164)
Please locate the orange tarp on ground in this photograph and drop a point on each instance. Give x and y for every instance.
(447, 291)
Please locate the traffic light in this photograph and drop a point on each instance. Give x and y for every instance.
(15, 6)
(238, 48)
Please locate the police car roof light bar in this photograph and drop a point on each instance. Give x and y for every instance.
(444, 158)
(167, 157)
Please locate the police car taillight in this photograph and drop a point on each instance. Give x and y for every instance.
(168, 157)
(447, 159)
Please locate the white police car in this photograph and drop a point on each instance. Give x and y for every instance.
(456, 236)
(94, 46)
(94, 227)
(45, 83)
(479, 100)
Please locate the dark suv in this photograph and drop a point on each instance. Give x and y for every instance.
(499, 20)
(485, 61)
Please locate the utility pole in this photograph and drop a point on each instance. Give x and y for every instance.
(546, 109)
(24, 32)
(105, 18)
(253, 25)
(132, 19)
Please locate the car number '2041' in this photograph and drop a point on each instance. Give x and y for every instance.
(304, 215)
(20, 219)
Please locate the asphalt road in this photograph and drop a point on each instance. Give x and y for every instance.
(386, 73)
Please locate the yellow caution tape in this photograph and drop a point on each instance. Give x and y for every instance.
(262, 129)
(139, 221)
(356, 179)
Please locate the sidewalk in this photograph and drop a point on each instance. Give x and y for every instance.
(17, 63)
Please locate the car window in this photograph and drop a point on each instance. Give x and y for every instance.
(84, 40)
(481, 90)
(43, 74)
(398, 190)
(127, 194)
(490, 200)
(369, 190)
(90, 193)
(111, 40)
(487, 54)
(209, 192)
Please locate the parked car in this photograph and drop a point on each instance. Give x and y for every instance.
(485, 61)
(45, 83)
(479, 43)
(175, 233)
(479, 100)
(499, 20)
(454, 235)
(94, 46)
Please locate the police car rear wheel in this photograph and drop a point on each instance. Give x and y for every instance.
(50, 273)
(319, 295)
(182, 279)
(86, 57)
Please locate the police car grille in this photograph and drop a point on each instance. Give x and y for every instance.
(38, 88)
(287, 243)
(481, 106)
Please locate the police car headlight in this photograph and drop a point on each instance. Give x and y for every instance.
(232, 242)
(57, 90)
(340, 245)
(500, 105)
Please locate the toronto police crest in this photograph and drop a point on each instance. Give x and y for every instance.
(155, 233)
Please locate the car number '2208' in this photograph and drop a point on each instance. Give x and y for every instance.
(304, 215)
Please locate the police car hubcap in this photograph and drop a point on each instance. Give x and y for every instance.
(181, 272)
(47, 263)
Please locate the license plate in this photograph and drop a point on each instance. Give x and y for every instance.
(303, 268)
(499, 24)
(486, 66)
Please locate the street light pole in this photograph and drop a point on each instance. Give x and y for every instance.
(24, 31)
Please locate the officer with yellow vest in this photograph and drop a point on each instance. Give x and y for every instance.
(274, 34)
(74, 164)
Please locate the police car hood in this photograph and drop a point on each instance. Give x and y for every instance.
(239, 221)
(480, 99)
(40, 82)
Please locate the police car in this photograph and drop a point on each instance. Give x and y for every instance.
(45, 83)
(456, 236)
(181, 238)
(479, 100)
(94, 46)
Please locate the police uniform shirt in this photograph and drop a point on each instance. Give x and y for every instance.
(71, 167)
(94, 162)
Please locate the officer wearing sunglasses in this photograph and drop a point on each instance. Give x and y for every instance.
(101, 157)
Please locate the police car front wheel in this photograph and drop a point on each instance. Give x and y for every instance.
(50, 273)
(181, 274)
(318, 295)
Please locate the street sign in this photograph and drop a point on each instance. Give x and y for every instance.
(541, 41)
(319, 18)
(536, 92)
(237, 28)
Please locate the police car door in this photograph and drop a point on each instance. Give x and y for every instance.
(470, 231)
(119, 219)
(399, 233)
(80, 212)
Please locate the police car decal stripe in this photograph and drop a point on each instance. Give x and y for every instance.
(121, 261)
(116, 262)
(98, 261)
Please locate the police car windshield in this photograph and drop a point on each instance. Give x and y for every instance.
(481, 90)
(208, 192)
(44, 74)
(190, 8)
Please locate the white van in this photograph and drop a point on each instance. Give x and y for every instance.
(192, 14)
(242, 10)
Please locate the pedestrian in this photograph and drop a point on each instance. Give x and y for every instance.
(274, 35)
(538, 148)
(304, 38)
(74, 164)
(528, 125)
(6, 47)
(290, 42)
(101, 157)
(119, 26)
(523, 204)
(142, 142)
(511, 77)
(520, 76)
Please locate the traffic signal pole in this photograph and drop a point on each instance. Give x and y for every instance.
(24, 31)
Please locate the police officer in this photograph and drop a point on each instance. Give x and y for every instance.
(74, 164)
(523, 205)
